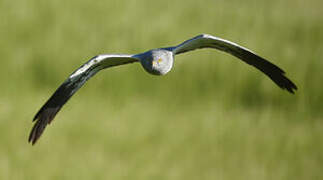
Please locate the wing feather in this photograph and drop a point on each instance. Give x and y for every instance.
(66, 90)
(207, 41)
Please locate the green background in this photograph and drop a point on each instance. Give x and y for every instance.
(211, 117)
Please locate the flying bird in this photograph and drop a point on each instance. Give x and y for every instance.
(157, 62)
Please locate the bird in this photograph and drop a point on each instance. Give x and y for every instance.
(157, 61)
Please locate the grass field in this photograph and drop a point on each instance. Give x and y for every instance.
(211, 117)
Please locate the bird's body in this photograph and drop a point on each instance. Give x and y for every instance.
(157, 62)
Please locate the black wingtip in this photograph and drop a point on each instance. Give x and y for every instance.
(292, 88)
(43, 117)
(49, 110)
(66, 90)
(275, 73)
(282, 81)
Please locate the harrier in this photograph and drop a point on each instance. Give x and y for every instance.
(157, 62)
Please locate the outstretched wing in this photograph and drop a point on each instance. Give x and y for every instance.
(75, 81)
(246, 55)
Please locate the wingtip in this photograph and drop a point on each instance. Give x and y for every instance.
(289, 85)
(33, 134)
(31, 141)
(31, 138)
(292, 89)
(43, 118)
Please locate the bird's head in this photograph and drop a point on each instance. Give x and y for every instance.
(158, 61)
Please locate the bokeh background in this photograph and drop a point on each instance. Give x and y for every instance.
(211, 117)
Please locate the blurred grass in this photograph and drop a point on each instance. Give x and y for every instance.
(201, 121)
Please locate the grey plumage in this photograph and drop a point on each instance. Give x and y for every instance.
(156, 62)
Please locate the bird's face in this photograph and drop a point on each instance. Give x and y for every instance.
(158, 62)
